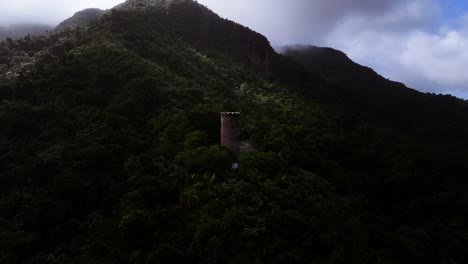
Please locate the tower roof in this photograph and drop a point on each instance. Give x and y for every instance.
(230, 113)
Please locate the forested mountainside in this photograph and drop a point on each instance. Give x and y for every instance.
(110, 151)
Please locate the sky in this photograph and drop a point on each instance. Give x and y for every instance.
(422, 43)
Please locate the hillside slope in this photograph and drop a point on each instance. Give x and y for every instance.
(360, 90)
(110, 154)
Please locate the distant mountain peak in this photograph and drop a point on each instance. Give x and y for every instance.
(80, 18)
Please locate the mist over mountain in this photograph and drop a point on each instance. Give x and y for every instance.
(110, 139)
(20, 30)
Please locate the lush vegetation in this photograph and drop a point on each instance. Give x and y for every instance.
(109, 136)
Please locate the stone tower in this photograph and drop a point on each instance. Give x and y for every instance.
(230, 130)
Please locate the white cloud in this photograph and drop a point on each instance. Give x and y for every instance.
(423, 56)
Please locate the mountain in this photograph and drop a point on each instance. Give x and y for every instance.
(80, 18)
(332, 65)
(358, 89)
(110, 150)
(20, 30)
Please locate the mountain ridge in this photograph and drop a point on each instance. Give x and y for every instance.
(80, 18)
(322, 59)
(376, 98)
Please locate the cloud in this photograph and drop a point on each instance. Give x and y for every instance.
(285, 21)
(412, 44)
(46, 11)
(441, 59)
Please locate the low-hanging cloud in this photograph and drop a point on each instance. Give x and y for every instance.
(49, 12)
